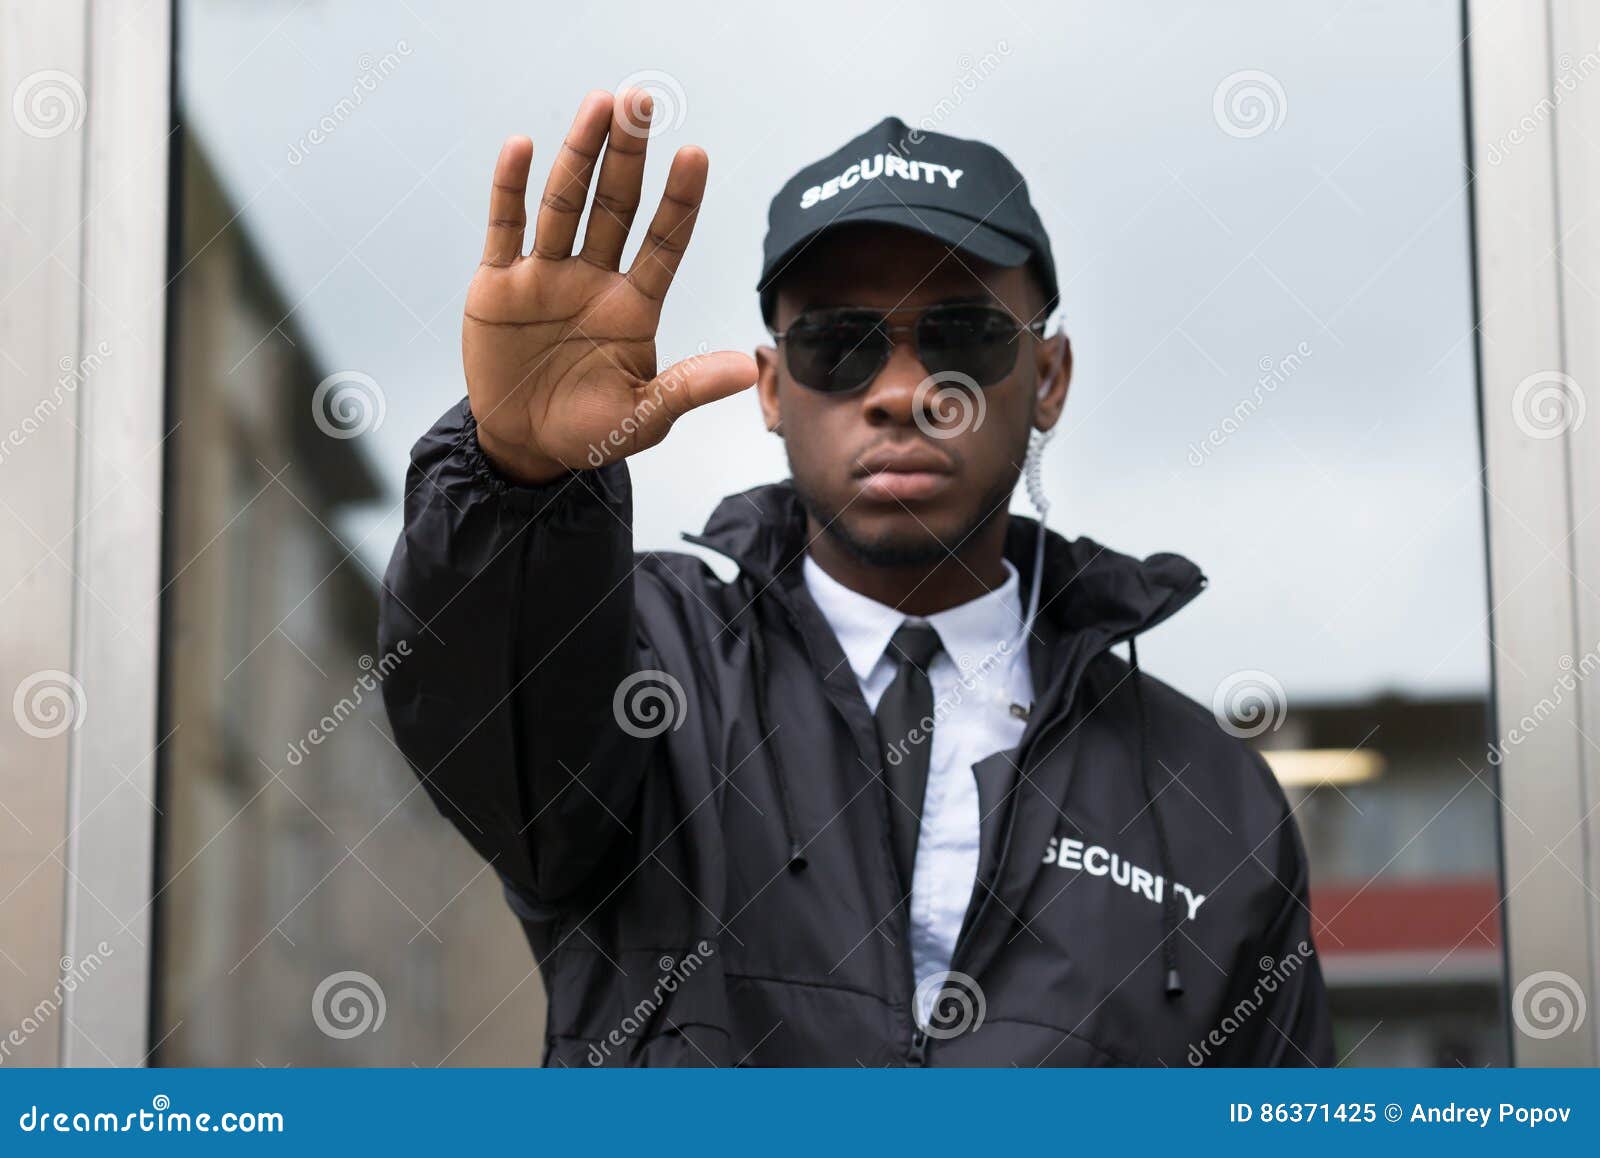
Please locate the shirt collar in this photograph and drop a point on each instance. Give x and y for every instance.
(864, 626)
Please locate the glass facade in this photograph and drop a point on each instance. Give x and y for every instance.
(1266, 274)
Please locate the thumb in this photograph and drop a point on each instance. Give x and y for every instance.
(699, 379)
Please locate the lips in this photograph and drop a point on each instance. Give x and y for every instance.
(903, 473)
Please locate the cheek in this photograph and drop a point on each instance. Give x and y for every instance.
(815, 461)
(814, 435)
(1003, 432)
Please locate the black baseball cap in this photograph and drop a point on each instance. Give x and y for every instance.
(964, 193)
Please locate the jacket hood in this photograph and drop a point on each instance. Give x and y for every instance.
(1085, 585)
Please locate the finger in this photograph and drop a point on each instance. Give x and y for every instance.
(616, 194)
(695, 381)
(567, 188)
(652, 270)
(508, 213)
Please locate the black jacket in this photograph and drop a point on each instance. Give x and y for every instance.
(677, 780)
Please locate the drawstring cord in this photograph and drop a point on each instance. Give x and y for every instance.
(1169, 897)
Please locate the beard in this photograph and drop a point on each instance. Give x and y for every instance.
(918, 546)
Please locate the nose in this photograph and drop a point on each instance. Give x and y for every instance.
(891, 399)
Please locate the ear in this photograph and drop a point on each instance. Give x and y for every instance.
(1054, 354)
(767, 388)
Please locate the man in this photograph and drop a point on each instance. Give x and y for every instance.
(867, 803)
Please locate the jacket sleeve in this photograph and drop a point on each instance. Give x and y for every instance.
(1292, 1026)
(510, 612)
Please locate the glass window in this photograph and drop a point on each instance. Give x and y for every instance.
(1261, 223)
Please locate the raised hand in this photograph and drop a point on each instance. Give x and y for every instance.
(559, 348)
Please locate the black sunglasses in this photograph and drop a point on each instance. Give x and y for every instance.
(838, 351)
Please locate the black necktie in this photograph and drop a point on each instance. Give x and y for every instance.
(905, 733)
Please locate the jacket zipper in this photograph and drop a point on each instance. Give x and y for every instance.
(1063, 708)
(918, 1052)
(971, 929)
(919, 1046)
(917, 1055)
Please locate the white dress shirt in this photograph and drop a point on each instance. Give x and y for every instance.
(980, 671)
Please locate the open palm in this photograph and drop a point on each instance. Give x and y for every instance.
(560, 348)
